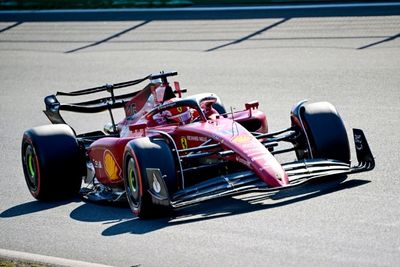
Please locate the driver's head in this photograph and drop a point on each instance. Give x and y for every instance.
(177, 114)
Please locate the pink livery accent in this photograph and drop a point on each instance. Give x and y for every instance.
(249, 151)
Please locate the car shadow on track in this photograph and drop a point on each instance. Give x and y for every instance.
(123, 223)
(33, 207)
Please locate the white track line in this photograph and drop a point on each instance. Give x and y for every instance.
(36, 258)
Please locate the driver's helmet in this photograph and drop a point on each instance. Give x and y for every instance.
(180, 114)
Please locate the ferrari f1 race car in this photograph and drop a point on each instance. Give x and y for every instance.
(171, 151)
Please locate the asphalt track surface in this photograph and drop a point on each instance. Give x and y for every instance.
(349, 59)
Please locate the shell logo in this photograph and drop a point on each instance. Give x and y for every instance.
(111, 167)
(241, 139)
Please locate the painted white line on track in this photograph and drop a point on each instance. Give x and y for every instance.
(36, 258)
(208, 9)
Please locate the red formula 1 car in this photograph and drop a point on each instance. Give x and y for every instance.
(170, 151)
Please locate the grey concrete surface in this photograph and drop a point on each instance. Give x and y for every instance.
(353, 62)
(30, 259)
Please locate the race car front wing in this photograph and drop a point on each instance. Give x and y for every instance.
(299, 172)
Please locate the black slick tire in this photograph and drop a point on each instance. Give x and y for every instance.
(140, 155)
(52, 162)
(324, 132)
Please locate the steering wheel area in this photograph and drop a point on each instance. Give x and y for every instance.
(190, 103)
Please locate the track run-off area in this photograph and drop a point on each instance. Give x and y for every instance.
(347, 55)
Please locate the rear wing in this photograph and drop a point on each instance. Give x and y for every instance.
(53, 106)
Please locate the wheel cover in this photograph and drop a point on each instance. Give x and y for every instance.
(133, 190)
(31, 168)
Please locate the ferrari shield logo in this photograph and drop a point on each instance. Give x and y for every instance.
(184, 142)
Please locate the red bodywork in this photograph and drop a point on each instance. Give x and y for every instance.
(106, 153)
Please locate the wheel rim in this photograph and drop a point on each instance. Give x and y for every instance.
(133, 190)
(31, 168)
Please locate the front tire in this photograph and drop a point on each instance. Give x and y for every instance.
(140, 155)
(52, 162)
(323, 132)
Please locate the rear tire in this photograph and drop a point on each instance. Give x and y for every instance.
(52, 162)
(323, 130)
(141, 154)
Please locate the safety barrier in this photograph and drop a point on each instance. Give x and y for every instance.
(85, 4)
